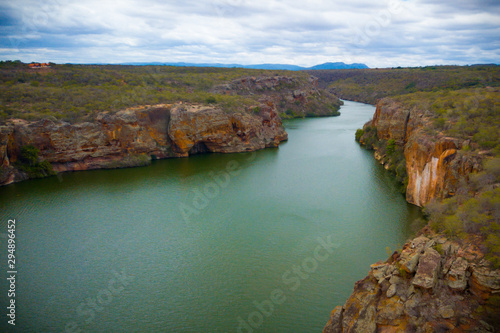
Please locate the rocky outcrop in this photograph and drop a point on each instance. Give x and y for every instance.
(293, 96)
(432, 285)
(428, 266)
(435, 167)
(135, 136)
(205, 129)
(127, 138)
(434, 163)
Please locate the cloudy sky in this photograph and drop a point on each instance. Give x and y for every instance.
(382, 33)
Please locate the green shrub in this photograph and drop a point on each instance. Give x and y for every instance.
(359, 134)
(29, 155)
(369, 138)
(439, 248)
(211, 100)
(30, 163)
(391, 147)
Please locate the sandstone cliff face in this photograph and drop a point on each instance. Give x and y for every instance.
(433, 285)
(127, 138)
(204, 129)
(434, 164)
(435, 168)
(133, 137)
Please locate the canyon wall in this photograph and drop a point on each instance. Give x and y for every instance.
(434, 162)
(134, 136)
(292, 96)
(433, 285)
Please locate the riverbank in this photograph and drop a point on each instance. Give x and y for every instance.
(81, 117)
(134, 137)
(448, 278)
(214, 229)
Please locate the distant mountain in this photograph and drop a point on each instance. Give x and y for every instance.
(337, 65)
(273, 66)
(328, 65)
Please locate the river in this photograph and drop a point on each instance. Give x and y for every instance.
(268, 241)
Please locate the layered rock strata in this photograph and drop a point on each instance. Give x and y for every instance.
(434, 163)
(135, 136)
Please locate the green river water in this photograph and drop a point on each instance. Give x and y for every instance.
(269, 241)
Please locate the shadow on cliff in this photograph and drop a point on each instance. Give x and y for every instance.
(159, 173)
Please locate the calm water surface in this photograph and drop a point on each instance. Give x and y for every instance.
(210, 243)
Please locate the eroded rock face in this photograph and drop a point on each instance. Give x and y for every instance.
(212, 130)
(391, 121)
(127, 138)
(448, 290)
(434, 167)
(135, 136)
(434, 164)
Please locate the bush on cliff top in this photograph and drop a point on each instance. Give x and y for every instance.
(472, 115)
(77, 93)
(475, 211)
(370, 85)
(468, 114)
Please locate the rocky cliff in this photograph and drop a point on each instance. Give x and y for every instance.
(135, 136)
(432, 285)
(293, 96)
(434, 163)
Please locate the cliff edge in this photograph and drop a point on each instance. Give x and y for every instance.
(134, 136)
(432, 285)
(435, 166)
(447, 278)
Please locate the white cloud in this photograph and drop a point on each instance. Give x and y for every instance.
(381, 34)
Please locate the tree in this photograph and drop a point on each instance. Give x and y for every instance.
(29, 155)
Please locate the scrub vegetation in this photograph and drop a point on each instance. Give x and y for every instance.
(31, 164)
(459, 102)
(370, 85)
(77, 93)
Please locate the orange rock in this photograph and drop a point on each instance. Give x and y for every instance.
(136, 135)
(434, 168)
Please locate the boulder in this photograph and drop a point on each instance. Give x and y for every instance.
(446, 312)
(428, 268)
(411, 254)
(391, 291)
(395, 279)
(379, 270)
(456, 278)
